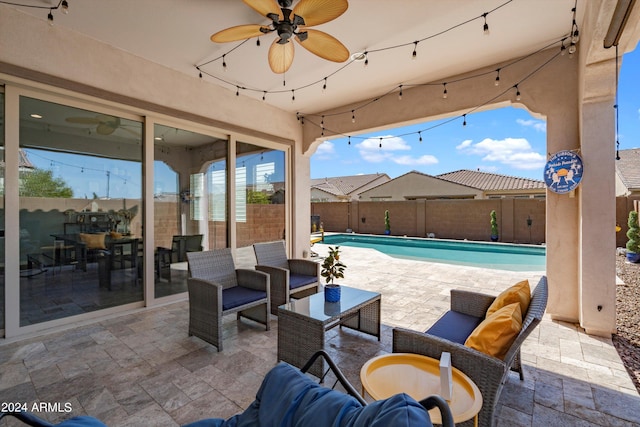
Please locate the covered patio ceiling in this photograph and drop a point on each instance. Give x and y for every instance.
(448, 39)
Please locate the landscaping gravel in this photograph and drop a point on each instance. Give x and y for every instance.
(627, 338)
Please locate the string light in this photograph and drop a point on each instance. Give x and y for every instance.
(353, 116)
(497, 82)
(518, 96)
(563, 48)
(420, 133)
(380, 145)
(485, 27)
(264, 95)
(464, 120)
(415, 53)
(349, 142)
(237, 90)
(224, 63)
(50, 17)
(324, 86)
(258, 41)
(65, 7)
(572, 49)
(364, 54)
(322, 122)
(444, 92)
(400, 93)
(293, 95)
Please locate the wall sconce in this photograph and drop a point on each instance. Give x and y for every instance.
(363, 219)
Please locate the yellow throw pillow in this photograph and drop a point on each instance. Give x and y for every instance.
(115, 235)
(497, 332)
(520, 292)
(93, 241)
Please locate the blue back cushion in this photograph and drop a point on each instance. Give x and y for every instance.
(297, 280)
(454, 326)
(237, 296)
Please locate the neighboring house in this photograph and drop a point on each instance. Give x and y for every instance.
(628, 173)
(416, 185)
(462, 184)
(495, 185)
(344, 188)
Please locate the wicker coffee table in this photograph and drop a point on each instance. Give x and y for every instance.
(419, 377)
(302, 323)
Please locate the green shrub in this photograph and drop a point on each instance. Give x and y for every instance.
(633, 244)
(494, 223)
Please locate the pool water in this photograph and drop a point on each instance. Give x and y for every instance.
(501, 256)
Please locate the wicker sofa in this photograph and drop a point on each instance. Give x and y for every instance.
(488, 372)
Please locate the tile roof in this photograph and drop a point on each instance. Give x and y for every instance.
(628, 168)
(344, 185)
(486, 181)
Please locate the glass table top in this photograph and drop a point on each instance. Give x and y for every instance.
(315, 307)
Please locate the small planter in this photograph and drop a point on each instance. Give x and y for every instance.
(494, 238)
(633, 257)
(331, 308)
(387, 232)
(332, 293)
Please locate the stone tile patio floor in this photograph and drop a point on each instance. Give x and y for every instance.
(142, 368)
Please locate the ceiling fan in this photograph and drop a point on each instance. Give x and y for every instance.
(286, 21)
(105, 125)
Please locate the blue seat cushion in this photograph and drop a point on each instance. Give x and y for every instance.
(238, 295)
(454, 326)
(298, 280)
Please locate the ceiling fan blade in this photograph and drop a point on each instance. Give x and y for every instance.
(83, 120)
(325, 46)
(280, 56)
(263, 7)
(105, 128)
(239, 32)
(316, 12)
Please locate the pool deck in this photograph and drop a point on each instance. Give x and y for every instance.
(143, 369)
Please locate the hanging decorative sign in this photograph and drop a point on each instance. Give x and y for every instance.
(563, 172)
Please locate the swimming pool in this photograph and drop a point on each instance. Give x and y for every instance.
(501, 256)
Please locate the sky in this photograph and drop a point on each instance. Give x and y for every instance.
(507, 141)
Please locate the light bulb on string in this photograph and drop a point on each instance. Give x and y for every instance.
(420, 134)
(485, 27)
(400, 94)
(518, 96)
(258, 41)
(224, 63)
(464, 120)
(563, 48)
(264, 95)
(380, 145)
(293, 95)
(65, 7)
(572, 49)
(349, 140)
(353, 116)
(415, 53)
(366, 58)
(50, 17)
(322, 122)
(237, 90)
(497, 82)
(444, 92)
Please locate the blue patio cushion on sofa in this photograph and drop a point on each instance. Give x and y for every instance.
(288, 397)
(297, 280)
(238, 295)
(454, 326)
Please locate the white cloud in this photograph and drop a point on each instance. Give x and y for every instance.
(513, 152)
(464, 144)
(413, 161)
(374, 150)
(325, 151)
(538, 125)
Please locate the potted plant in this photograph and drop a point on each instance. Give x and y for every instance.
(494, 226)
(387, 224)
(633, 244)
(332, 268)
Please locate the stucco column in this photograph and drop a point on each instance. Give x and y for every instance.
(562, 234)
(597, 210)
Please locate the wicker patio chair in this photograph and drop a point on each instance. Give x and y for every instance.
(217, 288)
(290, 278)
(488, 372)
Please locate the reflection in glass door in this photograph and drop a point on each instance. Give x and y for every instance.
(260, 195)
(81, 222)
(2, 211)
(189, 202)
